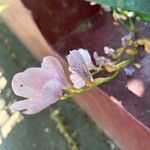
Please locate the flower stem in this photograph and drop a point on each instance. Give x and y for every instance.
(97, 81)
(132, 28)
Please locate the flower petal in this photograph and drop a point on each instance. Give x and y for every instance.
(29, 83)
(101, 60)
(51, 91)
(78, 65)
(87, 58)
(29, 106)
(54, 68)
(50, 94)
(77, 81)
(109, 51)
(20, 105)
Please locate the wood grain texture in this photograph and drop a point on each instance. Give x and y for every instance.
(123, 128)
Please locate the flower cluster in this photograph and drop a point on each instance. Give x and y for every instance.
(45, 85)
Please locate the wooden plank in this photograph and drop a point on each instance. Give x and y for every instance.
(122, 127)
(19, 19)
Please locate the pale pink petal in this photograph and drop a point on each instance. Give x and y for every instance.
(29, 83)
(29, 106)
(36, 106)
(51, 91)
(50, 94)
(53, 67)
(87, 58)
(77, 81)
(78, 65)
(109, 51)
(71, 70)
(20, 105)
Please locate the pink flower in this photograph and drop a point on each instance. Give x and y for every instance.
(87, 58)
(42, 86)
(77, 80)
(79, 65)
(109, 51)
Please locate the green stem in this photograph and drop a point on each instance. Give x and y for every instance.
(121, 51)
(97, 82)
(97, 70)
(124, 25)
(132, 28)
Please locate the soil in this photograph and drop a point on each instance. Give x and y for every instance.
(93, 31)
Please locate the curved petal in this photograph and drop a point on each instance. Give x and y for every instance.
(36, 105)
(77, 64)
(54, 68)
(29, 83)
(50, 94)
(87, 58)
(20, 105)
(29, 106)
(109, 51)
(51, 91)
(77, 81)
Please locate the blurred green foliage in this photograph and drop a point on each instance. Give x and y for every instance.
(141, 7)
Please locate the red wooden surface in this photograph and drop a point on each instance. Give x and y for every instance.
(53, 18)
(121, 126)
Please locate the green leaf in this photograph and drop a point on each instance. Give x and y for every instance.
(142, 6)
(145, 17)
